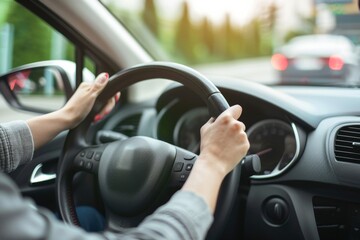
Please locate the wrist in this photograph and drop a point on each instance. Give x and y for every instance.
(68, 117)
(205, 180)
(207, 171)
(211, 165)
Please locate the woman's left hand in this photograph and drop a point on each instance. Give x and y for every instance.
(82, 101)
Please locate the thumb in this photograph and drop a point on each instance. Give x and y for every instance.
(100, 83)
(235, 111)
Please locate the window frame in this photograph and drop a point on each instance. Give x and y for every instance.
(83, 48)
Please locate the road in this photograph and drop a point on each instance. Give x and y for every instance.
(257, 69)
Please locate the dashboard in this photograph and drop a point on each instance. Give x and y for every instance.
(308, 188)
(275, 138)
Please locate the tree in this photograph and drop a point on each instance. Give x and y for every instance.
(240, 40)
(206, 35)
(233, 42)
(271, 16)
(32, 37)
(228, 36)
(253, 38)
(184, 39)
(150, 17)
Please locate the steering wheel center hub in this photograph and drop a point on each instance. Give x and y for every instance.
(131, 171)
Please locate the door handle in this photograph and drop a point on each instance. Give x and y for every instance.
(38, 176)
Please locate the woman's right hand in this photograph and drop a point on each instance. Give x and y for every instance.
(224, 142)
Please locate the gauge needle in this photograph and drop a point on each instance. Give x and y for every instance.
(264, 151)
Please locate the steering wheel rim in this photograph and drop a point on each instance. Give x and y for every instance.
(76, 137)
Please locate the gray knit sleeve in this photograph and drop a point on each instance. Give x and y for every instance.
(16, 145)
(185, 216)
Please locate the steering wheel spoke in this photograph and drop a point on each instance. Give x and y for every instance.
(183, 164)
(88, 159)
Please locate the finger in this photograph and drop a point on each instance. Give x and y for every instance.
(100, 83)
(106, 110)
(117, 96)
(108, 107)
(242, 126)
(206, 125)
(235, 111)
(211, 120)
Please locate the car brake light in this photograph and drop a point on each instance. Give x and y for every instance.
(335, 63)
(279, 62)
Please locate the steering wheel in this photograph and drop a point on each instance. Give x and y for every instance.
(138, 174)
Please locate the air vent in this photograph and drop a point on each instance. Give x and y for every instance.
(336, 219)
(347, 144)
(129, 125)
(331, 218)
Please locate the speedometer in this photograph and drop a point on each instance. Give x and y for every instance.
(275, 143)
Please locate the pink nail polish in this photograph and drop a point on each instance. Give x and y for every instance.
(98, 117)
(103, 78)
(117, 98)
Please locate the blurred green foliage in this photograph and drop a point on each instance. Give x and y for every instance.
(149, 16)
(196, 42)
(185, 40)
(33, 38)
(202, 42)
(4, 5)
(31, 35)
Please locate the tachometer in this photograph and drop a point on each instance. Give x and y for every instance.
(274, 141)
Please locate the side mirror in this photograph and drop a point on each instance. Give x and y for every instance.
(40, 87)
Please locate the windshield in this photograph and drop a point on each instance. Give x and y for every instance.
(307, 42)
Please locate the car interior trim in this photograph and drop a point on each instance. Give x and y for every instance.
(38, 176)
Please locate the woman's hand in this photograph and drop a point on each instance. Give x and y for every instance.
(224, 144)
(224, 141)
(80, 104)
(46, 127)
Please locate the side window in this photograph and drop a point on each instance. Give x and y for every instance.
(25, 38)
(29, 39)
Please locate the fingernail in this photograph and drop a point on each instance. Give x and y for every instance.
(98, 117)
(103, 78)
(117, 97)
